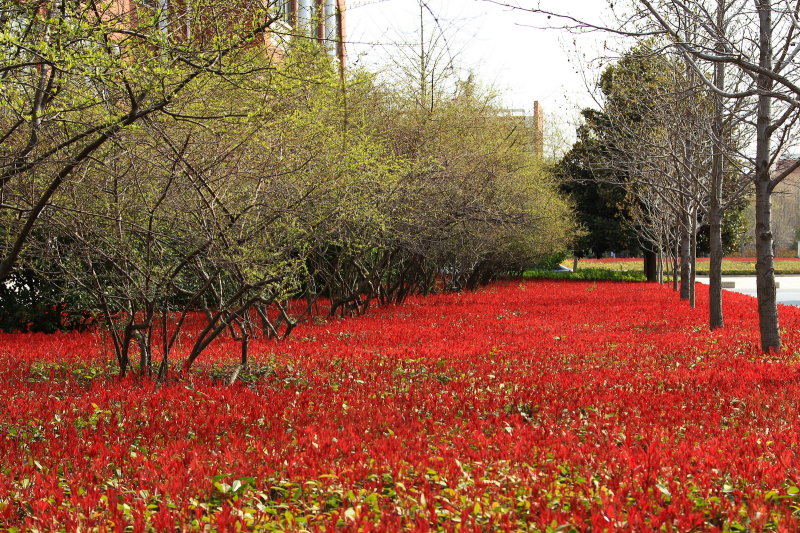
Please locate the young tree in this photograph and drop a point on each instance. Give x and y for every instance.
(172, 218)
(758, 39)
(470, 179)
(74, 75)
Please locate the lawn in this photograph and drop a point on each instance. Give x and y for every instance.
(527, 406)
(731, 266)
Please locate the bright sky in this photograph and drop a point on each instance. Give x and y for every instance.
(497, 43)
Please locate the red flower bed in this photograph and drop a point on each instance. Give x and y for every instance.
(528, 405)
(751, 259)
(610, 260)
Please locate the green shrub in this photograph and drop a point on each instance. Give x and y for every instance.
(550, 262)
(589, 274)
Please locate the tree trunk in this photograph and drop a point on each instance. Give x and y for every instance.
(650, 267)
(144, 356)
(765, 265)
(693, 276)
(765, 270)
(715, 317)
(162, 368)
(243, 364)
(686, 258)
(675, 268)
(660, 264)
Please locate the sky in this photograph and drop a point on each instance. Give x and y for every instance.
(505, 48)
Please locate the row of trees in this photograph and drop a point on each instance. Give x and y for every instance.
(647, 159)
(727, 115)
(159, 172)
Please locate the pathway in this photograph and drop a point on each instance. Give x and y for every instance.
(788, 287)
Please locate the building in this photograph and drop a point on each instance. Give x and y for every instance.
(534, 125)
(323, 20)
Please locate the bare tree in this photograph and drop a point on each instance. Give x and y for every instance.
(759, 39)
(77, 74)
(176, 220)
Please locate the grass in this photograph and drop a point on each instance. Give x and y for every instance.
(590, 274)
(745, 266)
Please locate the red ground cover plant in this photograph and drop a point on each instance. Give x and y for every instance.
(534, 406)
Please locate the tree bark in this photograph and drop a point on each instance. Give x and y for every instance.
(693, 276)
(765, 269)
(144, 355)
(715, 317)
(650, 266)
(675, 268)
(686, 257)
(660, 264)
(765, 265)
(243, 364)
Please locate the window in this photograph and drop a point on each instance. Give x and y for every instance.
(162, 8)
(284, 8)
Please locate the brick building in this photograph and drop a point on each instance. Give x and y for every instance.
(533, 125)
(323, 20)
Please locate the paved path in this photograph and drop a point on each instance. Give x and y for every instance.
(788, 287)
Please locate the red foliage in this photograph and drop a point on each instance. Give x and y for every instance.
(791, 259)
(533, 404)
